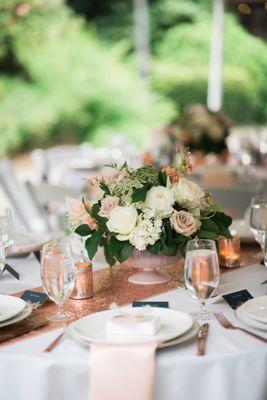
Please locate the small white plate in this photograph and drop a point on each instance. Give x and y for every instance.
(92, 327)
(178, 340)
(249, 321)
(22, 315)
(10, 306)
(256, 309)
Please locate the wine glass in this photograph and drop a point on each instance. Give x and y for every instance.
(202, 273)
(2, 257)
(258, 223)
(58, 275)
(7, 227)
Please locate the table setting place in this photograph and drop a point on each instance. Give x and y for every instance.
(181, 308)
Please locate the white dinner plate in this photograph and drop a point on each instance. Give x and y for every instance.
(10, 306)
(27, 310)
(249, 321)
(178, 340)
(92, 327)
(256, 309)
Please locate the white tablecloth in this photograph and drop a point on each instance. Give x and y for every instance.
(234, 368)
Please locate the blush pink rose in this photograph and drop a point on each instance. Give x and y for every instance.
(107, 205)
(183, 222)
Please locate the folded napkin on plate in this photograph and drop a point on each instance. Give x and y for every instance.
(133, 324)
(122, 371)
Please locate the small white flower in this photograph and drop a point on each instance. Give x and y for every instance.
(122, 220)
(160, 199)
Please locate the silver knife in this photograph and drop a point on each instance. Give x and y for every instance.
(202, 337)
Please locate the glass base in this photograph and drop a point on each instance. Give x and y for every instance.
(202, 316)
(61, 316)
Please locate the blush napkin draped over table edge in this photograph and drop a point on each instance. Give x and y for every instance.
(122, 371)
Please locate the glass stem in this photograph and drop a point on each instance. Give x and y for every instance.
(264, 249)
(59, 309)
(202, 309)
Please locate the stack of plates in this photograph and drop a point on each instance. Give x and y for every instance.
(12, 310)
(254, 313)
(177, 327)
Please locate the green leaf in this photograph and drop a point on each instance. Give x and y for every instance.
(114, 246)
(110, 260)
(93, 242)
(140, 194)
(162, 177)
(179, 239)
(101, 221)
(207, 234)
(209, 225)
(119, 250)
(168, 229)
(170, 250)
(125, 252)
(220, 217)
(83, 230)
(105, 188)
(154, 248)
(85, 206)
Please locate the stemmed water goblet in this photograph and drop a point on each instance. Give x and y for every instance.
(258, 223)
(58, 276)
(6, 227)
(202, 273)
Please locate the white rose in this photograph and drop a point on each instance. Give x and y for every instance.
(107, 205)
(122, 220)
(186, 190)
(183, 222)
(161, 199)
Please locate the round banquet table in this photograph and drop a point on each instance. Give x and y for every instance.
(234, 367)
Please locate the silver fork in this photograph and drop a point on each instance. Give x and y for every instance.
(226, 324)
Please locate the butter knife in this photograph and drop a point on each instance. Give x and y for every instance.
(202, 337)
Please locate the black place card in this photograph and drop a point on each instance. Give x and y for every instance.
(264, 282)
(236, 299)
(11, 270)
(34, 297)
(160, 304)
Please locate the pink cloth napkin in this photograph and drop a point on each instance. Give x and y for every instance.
(122, 372)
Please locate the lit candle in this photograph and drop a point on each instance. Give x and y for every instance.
(229, 252)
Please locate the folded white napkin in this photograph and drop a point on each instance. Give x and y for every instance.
(133, 324)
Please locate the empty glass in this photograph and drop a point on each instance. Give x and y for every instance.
(6, 227)
(57, 273)
(258, 223)
(202, 273)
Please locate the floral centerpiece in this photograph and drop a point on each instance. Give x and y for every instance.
(149, 210)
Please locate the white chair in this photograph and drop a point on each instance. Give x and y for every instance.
(26, 209)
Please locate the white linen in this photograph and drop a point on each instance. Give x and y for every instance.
(234, 368)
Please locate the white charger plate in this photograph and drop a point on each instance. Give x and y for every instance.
(10, 306)
(19, 317)
(92, 327)
(256, 309)
(178, 340)
(249, 321)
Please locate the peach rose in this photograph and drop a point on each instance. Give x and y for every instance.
(183, 222)
(78, 213)
(107, 205)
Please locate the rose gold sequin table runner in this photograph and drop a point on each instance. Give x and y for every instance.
(112, 286)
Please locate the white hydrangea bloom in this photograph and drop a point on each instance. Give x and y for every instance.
(147, 231)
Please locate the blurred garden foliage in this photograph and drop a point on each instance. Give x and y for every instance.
(68, 76)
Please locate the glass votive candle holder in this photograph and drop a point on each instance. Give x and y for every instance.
(229, 252)
(83, 288)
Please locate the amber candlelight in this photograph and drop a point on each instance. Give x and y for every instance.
(83, 288)
(229, 252)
